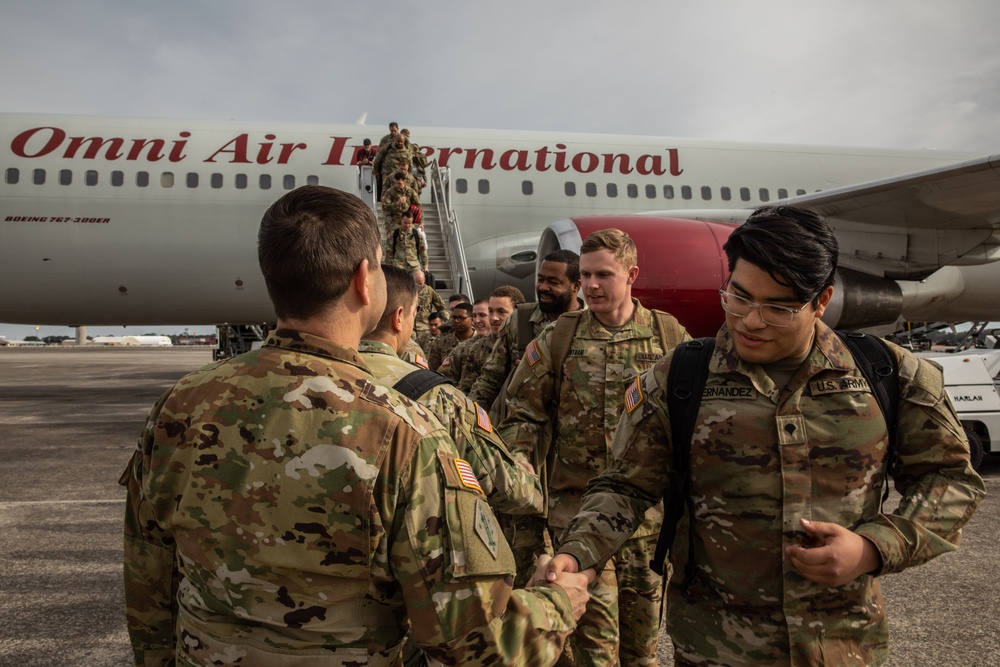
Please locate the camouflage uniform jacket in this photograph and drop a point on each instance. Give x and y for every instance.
(600, 366)
(285, 508)
(424, 340)
(504, 356)
(397, 201)
(389, 158)
(509, 487)
(468, 357)
(407, 251)
(761, 458)
(441, 348)
(430, 302)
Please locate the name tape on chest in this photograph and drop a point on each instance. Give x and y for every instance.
(647, 356)
(730, 393)
(577, 353)
(838, 385)
(466, 475)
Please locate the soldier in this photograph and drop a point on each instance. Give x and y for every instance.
(461, 329)
(453, 367)
(393, 133)
(425, 339)
(477, 350)
(396, 201)
(556, 286)
(407, 249)
(788, 456)
(391, 158)
(419, 162)
(505, 479)
(428, 301)
(564, 402)
(279, 502)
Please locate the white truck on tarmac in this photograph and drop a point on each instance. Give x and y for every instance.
(970, 378)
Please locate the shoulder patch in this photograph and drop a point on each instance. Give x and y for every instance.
(446, 362)
(634, 396)
(531, 354)
(468, 477)
(483, 419)
(487, 528)
(421, 360)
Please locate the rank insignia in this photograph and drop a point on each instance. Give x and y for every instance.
(468, 478)
(634, 395)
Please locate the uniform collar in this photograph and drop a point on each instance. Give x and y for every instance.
(299, 341)
(376, 347)
(827, 352)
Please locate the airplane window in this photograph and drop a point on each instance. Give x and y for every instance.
(612, 189)
(288, 182)
(633, 190)
(117, 179)
(685, 192)
(38, 177)
(527, 187)
(706, 193)
(745, 194)
(65, 177)
(192, 179)
(668, 192)
(312, 180)
(765, 195)
(216, 180)
(800, 191)
(570, 189)
(167, 179)
(12, 176)
(484, 186)
(90, 177)
(591, 189)
(782, 193)
(241, 181)
(142, 179)
(265, 181)
(461, 186)
(650, 191)
(725, 193)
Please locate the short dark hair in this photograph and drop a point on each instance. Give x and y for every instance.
(393, 124)
(794, 245)
(399, 176)
(457, 297)
(400, 290)
(310, 243)
(569, 258)
(515, 295)
(435, 315)
(466, 306)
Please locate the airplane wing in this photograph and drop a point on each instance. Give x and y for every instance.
(909, 226)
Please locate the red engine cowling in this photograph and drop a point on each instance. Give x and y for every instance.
(681, 262)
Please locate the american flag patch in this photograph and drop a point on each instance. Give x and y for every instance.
(531, 354)
(633, 395)
(421, 360)
(468, 478)
(483, 419)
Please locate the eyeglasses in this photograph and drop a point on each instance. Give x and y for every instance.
(778, 316)
(459, 318)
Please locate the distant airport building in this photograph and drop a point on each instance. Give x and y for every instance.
(132, 341)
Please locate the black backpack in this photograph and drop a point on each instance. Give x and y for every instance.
(685, 383)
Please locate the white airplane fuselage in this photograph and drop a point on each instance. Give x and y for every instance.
(149, 221)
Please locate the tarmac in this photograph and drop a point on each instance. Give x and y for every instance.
(70, 418)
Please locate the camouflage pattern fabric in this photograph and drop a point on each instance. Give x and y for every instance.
(504, 357)
(600, 366)
(285, 508)
(395, 202)
(390, 159)
(407, 250)
(465, 361)
(508, 485)
(440, 350)
(762, 457)
(430, 302)
(424, 340)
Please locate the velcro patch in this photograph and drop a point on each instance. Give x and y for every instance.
(483, 419)
(446, 362)
(487, 527)
(838, 385)
(421, 360)
(531, 354)
(634, 396)
(647, 356)
(577, 353)
(739, 393)
(468, 477)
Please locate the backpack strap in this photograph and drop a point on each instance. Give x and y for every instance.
(419, 382)
(525, 332)
(670, 330)
(879, 366)
(685, 384)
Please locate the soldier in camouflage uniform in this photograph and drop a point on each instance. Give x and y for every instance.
(396, 201)
(285, 508)
(407, 249)
(566, 426)
(509, 487)
(419, 162)
(556, 286)
(390, 159)
(393, 133)
(461, 323)
(428, 301)
(453, 367)
(787, 464)
(476, 351)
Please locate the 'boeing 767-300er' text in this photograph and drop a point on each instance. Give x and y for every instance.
(149, 221)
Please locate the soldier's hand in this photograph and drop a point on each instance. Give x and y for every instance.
(833, 555)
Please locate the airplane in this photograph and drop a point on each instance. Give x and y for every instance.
(153, 221)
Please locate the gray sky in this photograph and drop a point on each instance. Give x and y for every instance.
(892, 73)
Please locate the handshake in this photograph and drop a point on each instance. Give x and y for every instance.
(563, 571)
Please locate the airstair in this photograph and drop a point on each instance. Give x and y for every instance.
(445, 253)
